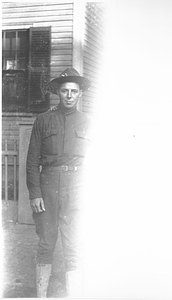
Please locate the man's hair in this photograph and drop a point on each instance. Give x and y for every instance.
(60, 84)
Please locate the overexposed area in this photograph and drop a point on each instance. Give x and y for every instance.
(128, 253)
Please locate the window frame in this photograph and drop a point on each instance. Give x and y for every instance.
(41, 103)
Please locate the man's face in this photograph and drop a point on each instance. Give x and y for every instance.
(69, 93)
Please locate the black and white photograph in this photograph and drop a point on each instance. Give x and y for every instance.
(86, 149)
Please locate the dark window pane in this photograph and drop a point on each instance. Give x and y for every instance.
(14, 91)
(15, 75)
(24, 42)
(40, 42)
(10, 34)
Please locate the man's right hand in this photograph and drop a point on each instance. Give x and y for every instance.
(37, 205)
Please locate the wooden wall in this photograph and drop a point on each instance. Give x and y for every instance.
(92, 51)
(11, 122)
(58, 15)
(65, 51)
(23, 15)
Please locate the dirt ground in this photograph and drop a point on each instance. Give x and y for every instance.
(19, 262)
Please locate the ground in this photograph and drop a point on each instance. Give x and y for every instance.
(19, 260)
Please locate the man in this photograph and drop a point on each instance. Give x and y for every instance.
(58, 145)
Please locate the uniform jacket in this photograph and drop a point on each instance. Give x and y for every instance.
(57, 138)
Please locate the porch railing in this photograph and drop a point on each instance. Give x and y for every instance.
(9, 169)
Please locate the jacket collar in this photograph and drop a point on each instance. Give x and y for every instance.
(65, 111)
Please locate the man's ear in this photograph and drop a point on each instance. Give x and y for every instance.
(57, 92)
(80, 93)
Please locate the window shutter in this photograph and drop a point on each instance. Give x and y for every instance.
(39, 67)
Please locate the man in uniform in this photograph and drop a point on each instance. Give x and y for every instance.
(58, 145)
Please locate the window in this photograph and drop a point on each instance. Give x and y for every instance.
(26, 63)
(15, 59)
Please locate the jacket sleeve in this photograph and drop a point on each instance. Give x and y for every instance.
(33, 162)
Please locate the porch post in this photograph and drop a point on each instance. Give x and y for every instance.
(78, 38)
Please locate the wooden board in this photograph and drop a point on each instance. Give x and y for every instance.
(24, 209)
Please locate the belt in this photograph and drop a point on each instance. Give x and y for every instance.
(63, 168)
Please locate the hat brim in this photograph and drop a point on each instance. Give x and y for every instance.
(83, 82)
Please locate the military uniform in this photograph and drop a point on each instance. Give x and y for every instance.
(59, 142)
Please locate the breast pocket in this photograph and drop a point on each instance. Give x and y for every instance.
(50, 141)
(82, 142)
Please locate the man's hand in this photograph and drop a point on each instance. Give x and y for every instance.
(37, 205)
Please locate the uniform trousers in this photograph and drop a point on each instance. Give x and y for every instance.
(62, 195)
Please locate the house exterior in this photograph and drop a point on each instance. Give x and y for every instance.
(40, 40)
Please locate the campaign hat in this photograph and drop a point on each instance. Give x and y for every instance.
(68, 75)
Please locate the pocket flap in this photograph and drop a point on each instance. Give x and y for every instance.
(50, 132)
(82, 134)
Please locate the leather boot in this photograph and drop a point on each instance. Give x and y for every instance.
(73, 284)
(43, 272)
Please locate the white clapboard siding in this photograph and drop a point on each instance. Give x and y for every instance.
(38, 19)
(48, 5)
(42, 13)
(92, 49)
(58, 15)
